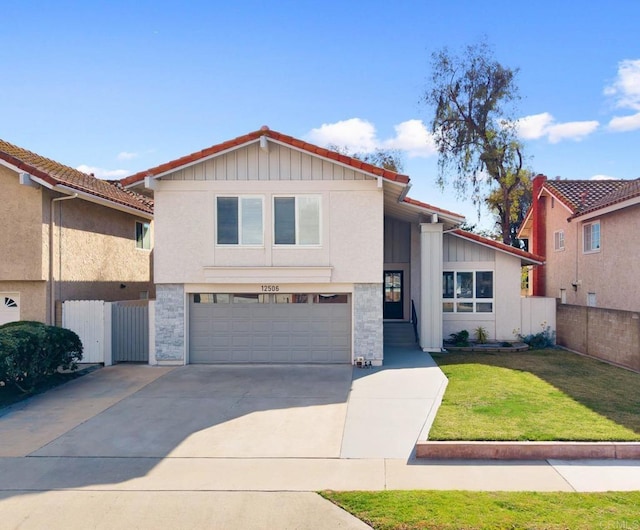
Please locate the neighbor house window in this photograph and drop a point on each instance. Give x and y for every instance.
(591, 237)
(467, 291)
(296, 220)
(239, 221)
(143, 235)
(558, 240)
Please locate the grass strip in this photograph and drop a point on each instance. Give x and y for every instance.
(468, 510)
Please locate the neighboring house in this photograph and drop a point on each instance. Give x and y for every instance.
(270, 249)
(67, 235)
(586, 231)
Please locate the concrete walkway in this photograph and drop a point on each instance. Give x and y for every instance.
(146, 447)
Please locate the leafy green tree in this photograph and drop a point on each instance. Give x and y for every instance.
(473, 98)
(520, 199)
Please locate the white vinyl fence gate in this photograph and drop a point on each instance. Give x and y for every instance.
(110, 331)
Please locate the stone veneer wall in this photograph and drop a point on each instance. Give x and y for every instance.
(170, 324)
(608, 334)
(367, 322)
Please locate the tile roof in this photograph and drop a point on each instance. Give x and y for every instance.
(582, 195)
(274, 135)
(498, 245)
(629, 190)
(57, 174)
(421, 204)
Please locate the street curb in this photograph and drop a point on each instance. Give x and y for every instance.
(527, 450)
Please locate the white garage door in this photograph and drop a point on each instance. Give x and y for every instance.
(9, 307)
(269, 328)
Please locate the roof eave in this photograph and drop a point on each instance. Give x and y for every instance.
(607, 209)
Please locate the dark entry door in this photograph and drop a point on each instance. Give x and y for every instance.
(393, 295)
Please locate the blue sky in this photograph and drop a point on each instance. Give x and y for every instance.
(119, 86)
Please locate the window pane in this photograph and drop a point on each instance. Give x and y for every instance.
(211, 298)
(252, 221)
(309, 220)
(291, 298)
(484, 307)
(464, 287)
(330, 298)
(250, 298)
(447, 307)
(595, 236)
(447, 285)
(465, 307)
(227, 220)
(143, 235)
(284, 221)
(484, 284)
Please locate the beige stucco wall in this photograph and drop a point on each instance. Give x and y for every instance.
(33, 298)
(21, 236)
(351, 238)
(610, 273)
(95, 252)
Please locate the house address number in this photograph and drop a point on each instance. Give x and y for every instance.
(270, 288)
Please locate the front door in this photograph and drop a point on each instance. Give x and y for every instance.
(393, 295)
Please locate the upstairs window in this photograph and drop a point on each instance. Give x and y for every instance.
(296, 220)
(591, 237)
(143, 235)
(239, 221)
(558, 240)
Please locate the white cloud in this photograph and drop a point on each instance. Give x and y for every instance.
(602, 177)
(544, 125)
(626, 87)
(125, 155)
(356, 134)
(571, 130)
(360, 136)
(413, 137)
(534, 126)
(625, 123)
(102, 173)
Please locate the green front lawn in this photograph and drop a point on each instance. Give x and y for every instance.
(538, 395)
(408, 510)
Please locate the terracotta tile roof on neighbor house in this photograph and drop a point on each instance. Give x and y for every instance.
(534, 258)
(628, 190)
(274, 135)
(56, 174)
(580, 195)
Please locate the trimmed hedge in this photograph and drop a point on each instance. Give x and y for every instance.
(32, 351)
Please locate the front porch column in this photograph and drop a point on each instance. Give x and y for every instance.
(430, 317)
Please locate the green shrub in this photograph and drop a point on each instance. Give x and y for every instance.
(538, 341)
(31, 351)
(461, 338)
(482, 336)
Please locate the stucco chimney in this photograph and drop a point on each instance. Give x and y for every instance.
(539, 233)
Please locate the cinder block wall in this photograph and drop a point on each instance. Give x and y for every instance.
(608, 334)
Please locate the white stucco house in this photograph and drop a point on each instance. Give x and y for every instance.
(271, 249)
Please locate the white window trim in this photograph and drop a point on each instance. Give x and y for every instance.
(455, 300)
(558, 240)
(135, 235)
(296, 196)
(238, 196)
(593, 250)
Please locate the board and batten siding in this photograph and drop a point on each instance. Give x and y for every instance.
(397, 241)
(458, 250)
(277, 163)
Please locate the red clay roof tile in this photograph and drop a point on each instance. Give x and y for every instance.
(56, 174)
(274, 135)
(498, 245)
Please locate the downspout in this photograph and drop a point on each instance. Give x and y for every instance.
(52, 293)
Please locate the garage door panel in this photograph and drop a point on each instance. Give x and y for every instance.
(269, 332)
